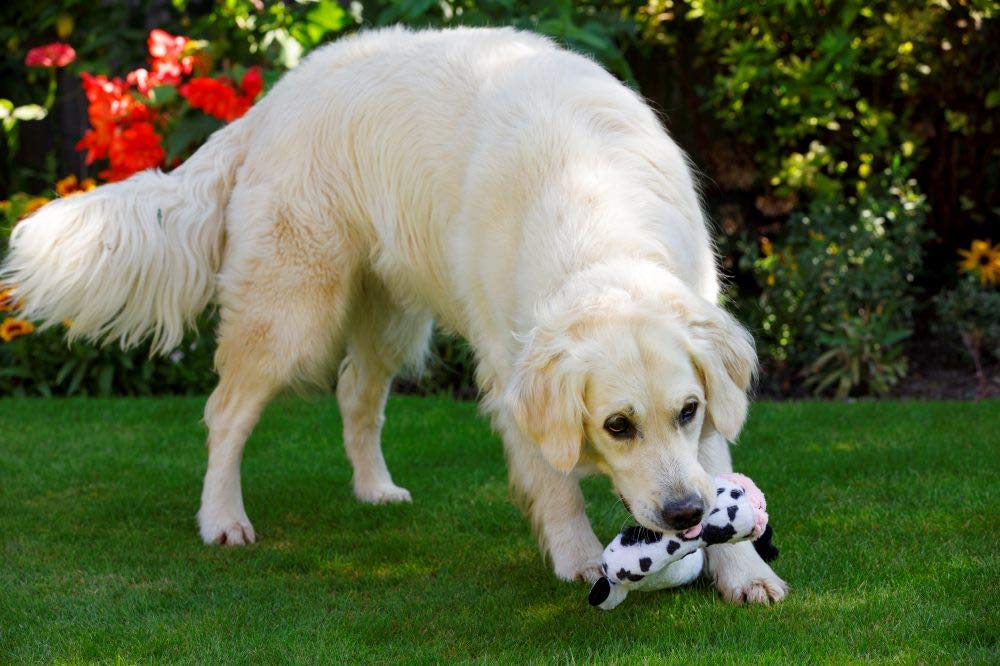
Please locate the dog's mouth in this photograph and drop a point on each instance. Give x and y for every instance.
(690, 533)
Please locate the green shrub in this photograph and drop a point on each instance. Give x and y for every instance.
(42, 363)
(837, 293)
(796, 112)
(968, 316)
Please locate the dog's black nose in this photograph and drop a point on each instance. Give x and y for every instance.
(682, 514)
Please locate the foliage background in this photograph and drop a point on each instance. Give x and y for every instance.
(848, 150)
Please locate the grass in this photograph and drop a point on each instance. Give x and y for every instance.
(886, 514)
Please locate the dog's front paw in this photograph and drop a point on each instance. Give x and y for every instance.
(756, 584)
(763, 590)
(225, 530)
(381, 493)
(578, 560)
(742, 577)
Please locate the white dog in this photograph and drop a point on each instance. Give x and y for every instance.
(514, 191)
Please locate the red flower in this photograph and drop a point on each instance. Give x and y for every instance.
(110, 105)
(217, 97)
(252, 83)
(168, 61)
(133, 149)
(213, 96)
(50, 55)
(142, 80)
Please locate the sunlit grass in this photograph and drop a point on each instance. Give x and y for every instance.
(885, 514)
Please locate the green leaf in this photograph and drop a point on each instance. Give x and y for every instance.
(190, 129)
(64, 371)
(105, 379)
(161, 95)
(324, 18)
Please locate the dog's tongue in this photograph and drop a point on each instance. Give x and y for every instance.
(692, 532)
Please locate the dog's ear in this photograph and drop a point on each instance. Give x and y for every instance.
(725, 355)
(545, 397)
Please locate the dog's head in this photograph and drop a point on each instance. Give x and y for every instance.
(632, 385)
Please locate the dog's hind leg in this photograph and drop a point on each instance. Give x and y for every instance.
(282, 312)
(381, 337)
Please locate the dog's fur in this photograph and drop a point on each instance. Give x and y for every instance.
(512, 190)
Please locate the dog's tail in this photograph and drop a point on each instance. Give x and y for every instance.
(133, 259)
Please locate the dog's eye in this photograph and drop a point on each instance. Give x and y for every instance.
(620, 427)
(687, 413)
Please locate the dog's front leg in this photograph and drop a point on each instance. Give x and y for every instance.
(554, 504)
(740, 575)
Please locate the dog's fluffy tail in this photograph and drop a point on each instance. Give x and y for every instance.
(133, 259)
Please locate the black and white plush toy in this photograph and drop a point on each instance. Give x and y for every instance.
(641, 559)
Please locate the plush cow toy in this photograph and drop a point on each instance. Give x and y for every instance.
(640, 559)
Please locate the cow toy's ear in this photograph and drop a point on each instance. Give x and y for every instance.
(600, 592)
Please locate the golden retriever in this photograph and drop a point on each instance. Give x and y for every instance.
(512, 190)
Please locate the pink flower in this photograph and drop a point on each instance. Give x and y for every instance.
(56, 54)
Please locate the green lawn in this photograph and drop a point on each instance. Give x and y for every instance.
(886, 514)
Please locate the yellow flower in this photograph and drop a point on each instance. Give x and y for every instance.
(983, 259)
(7, 302)
(766, 247)
(33, 205)
(69, 186)
(14, 328)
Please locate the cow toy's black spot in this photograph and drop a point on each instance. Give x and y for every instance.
(638, 533)
(624, 574)
(719, 491)
(604, 568)
(645, 563)
(600, 592)
(732, 512)
(736, 493)
(714, 534)
(714, 511)
(672, 546)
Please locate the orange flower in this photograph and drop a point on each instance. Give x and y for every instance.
(14, 328)
(50, 55)
(982, 258)
(69, 186)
